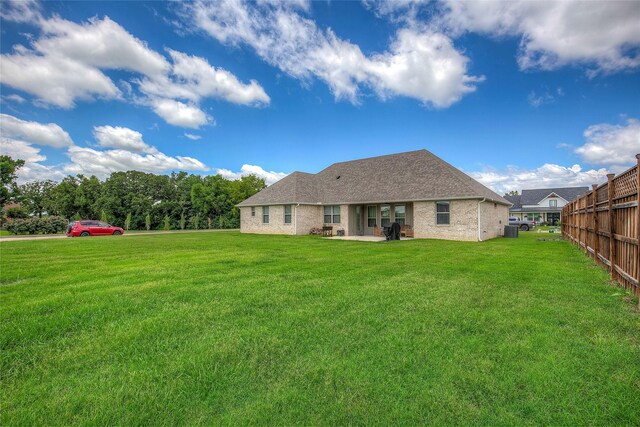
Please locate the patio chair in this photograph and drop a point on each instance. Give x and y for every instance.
(406, 230)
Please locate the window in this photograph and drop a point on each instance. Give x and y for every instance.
(287, 214)
(399, 214)
(332, 214)
(553, 203)
(253, 211)
(265, 214)
(442, 213)
(385, 215)
(371, 216)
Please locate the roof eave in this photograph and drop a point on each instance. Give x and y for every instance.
(377, 202)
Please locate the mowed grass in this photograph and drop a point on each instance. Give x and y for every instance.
(224, 328)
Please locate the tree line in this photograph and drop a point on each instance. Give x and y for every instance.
(132, 200)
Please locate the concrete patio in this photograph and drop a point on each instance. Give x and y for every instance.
(364, 238)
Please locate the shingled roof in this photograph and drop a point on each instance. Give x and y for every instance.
(405, 177)
(515, 201)
(534, 196)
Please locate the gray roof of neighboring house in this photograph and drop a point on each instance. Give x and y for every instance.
(515, 200)
(412, 176)
(534, 196)
(536, 209)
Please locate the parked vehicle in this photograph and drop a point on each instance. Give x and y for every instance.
(85, 228)
(523, 224)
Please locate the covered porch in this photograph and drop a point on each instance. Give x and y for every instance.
(369, 219)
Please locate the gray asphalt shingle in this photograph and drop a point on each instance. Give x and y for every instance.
(412, 176)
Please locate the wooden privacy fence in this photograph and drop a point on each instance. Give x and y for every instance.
(605, 224)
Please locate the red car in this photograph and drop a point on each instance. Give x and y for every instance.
(92, 228)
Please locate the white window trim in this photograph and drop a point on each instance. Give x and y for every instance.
(332, 214)
(448, 213)
(375, 217)
(284, 215)
(405, 212)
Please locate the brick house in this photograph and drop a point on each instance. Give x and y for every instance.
(427, 196)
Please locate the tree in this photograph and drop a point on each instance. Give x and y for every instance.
(167, 223)
(37, 197)
(8, 177)
(87, 197)
(63, 198)
(511, 193)
(103, 216)
(182, 221)
(127, 222)
(147, 222)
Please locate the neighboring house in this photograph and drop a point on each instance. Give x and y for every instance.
(423, 193)
(543, 204)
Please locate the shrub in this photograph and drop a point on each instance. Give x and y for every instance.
(17, 212)
(35, 225)
(182, 221)
(147, 222)
(167, 224)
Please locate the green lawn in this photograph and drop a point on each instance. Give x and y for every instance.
(223, 328)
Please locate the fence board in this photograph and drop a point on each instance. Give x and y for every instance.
(605, 224)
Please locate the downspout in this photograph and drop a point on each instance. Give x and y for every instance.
(295, 221)
(480, 232)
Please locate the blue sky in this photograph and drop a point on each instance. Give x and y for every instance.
(518, 94)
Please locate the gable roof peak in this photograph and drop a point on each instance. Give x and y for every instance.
(410, 176)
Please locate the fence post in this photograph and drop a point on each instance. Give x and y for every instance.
(587, 222)
(583, 225)
(579, 222)
(638, 221)
(596, 238)
(612, 241)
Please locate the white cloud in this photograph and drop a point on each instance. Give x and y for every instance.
(604, 34)
(21, 10)
(101, 163)
(101, 43)
(269, 176)
(33, 132)
(548, 175)
(192, 136)
(193, 78)
(121, 138)
(126, 151)
(17, 149)
(420, 63)
(39, 172)
(15, 98)
(180, 114)
(54, 80)
(608, 144)
(537, 99)
(66, 63)
(612, 146)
